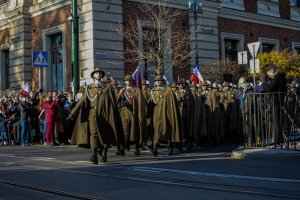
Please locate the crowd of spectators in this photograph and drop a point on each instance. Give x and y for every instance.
(24, 119)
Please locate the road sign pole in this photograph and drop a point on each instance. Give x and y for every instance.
(40, 77)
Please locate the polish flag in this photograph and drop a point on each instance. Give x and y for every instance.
(196, 76)
(136, 76)
(26, 90)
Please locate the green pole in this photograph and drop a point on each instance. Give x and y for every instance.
(74, 46)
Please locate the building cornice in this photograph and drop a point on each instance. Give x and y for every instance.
(259, 19)
(46, 6)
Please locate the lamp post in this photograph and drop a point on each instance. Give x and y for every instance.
(74, 18)
(195, 7)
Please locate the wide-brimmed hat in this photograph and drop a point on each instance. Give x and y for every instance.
(204, 83)
(226, 84)
(214, 85)
(97, 70)
(127, 78)
(159, 78)
(174, 85)
(145, 82)
(106, 79)
(113, 82)
(194, 85)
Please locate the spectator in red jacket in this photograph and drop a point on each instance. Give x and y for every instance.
(50, 107)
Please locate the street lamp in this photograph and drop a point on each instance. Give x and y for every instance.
(74, 18)
(195, 7)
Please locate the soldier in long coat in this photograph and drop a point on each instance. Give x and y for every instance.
(99, 123)
(198, 119)
(226, 100)
(133, 114)
(207, 102)
(166, 116)
(212, 111)
(146, 91)
(183, 98)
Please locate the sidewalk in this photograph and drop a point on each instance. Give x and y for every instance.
(266, 154)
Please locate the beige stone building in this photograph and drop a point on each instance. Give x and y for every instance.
(224, 28)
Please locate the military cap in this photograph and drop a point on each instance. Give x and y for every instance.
(174, 85)
(114, 82)
(226, 84)
(193, 85)
(145, 82)
(97, 70)
(106, 79)
(127, 78)
(182, 81)
(214, 85)
(204, 83)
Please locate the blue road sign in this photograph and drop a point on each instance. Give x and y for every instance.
(39, 59)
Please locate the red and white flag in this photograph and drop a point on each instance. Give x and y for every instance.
(136, 76)
(26, 90)
(196, 76)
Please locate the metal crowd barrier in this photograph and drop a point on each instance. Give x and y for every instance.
(271, 120)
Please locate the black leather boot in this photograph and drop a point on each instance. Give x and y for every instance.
(170, 148)
(104, 157)
(120, 151)
(100, 151)
(94, 158)
(154, 151)
(137, 149)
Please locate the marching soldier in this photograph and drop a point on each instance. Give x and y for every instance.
(206, 100)
(226, 100)
(183, 98)
(166, 116)
(174, 87)
(99, 122)
(115, 86)
(198, 119)
(149, 112)
(146, 90)
(133, 114)
(212, 110)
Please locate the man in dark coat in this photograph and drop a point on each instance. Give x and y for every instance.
(278, 89)
(99, 123)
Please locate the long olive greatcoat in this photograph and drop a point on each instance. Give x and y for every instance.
(198, 119)
(166, 116)
(109, 126)
(134, 110)
(215, 125)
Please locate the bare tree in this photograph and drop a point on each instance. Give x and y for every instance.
(153, 36)
(216, 70)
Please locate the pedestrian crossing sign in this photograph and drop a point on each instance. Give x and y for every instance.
(39, 59)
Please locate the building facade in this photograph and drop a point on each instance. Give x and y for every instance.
(224, 28)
